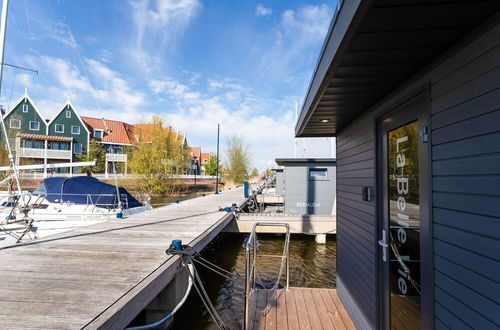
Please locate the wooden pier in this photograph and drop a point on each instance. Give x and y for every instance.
(299, 224)
(103, 275)
(297, 308)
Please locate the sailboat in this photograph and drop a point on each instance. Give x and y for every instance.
(58, 204)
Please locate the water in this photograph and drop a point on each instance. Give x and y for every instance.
(311, 265)
(160, 201)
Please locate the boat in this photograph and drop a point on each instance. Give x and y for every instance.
(60, 204)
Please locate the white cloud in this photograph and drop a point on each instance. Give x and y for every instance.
(168, 17)
(266, 124)
(296, 37)
(260, 10)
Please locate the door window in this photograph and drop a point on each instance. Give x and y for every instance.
(404, 226)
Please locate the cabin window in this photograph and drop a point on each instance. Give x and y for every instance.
(77, 148)
(75, 129)
(68, 114)
(15, 123)
(34, 125)
(25, 108)
(59, 128)
(318, 173)
(98, 133)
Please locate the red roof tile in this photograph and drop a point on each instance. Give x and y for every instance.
(195, 152)
(44, 137)
(204, 157)
(114, 131)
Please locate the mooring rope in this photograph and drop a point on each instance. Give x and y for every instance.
(191, 255)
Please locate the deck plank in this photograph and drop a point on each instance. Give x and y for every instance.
(104, 274)
(301, 308)
(326, 321)
(343, 313)
(291, 310)
(304, 321)
(312, 310)
(281, 312)
(332, 310)
(260, 313)
(271, 315)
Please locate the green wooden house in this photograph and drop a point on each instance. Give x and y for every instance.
(67, 123)
(24, 118)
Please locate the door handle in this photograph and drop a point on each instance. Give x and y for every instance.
(383, 243)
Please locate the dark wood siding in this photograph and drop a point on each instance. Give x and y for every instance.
(465, 127)
(465, 137)
(356, 227)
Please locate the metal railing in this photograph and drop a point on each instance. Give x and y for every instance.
(91, 200)
(251, 262)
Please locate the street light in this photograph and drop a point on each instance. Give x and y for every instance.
(217, 166)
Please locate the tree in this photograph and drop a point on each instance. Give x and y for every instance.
(211, 165)
(255, 173)
(267, 173)
(96, 152)
(237, 159)
(158, 157)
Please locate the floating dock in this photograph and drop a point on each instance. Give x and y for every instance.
(103, 275)
(297, 308)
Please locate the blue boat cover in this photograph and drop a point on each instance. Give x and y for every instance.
(83, 190)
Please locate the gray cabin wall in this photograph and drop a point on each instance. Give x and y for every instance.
(465, 136)
(308, 196)
(280, 183)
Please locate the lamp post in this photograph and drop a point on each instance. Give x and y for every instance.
(217, 166)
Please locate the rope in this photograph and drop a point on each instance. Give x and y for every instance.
(189, 254)
(179, 305)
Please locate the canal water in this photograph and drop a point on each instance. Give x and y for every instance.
(311, 265)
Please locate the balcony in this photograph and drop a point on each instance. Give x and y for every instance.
(116, 157)
(40, 153)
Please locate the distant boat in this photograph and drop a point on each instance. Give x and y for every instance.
(61, 204)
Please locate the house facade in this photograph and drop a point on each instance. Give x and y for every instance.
(116, 137)
(29, 136)
(67, 123)
(410, 90)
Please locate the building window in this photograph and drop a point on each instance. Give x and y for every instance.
(98, 133)
(33, 144)
(15, 123)
(75, 129)
(34, 125)
(59, 145)
(25, 108)
(68, 114)
(59, 128)
(77, 148)
(318, 173)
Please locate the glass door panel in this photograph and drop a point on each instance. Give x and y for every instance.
(404, 226)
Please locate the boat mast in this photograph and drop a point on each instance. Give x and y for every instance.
(3, 30)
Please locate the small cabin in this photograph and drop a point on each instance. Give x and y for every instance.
(280, 181)
(309, 185)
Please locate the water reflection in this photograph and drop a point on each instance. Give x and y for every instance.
(311, 265)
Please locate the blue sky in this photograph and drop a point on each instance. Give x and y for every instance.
(243, 64)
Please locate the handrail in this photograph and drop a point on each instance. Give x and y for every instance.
(251, 266)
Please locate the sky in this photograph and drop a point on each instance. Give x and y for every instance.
(243, 64)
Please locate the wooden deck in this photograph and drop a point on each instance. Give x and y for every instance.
(103, 275)
(298, 308)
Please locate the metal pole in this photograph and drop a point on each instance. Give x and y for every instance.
(3, 31)
(217, 166)
(247, 287)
